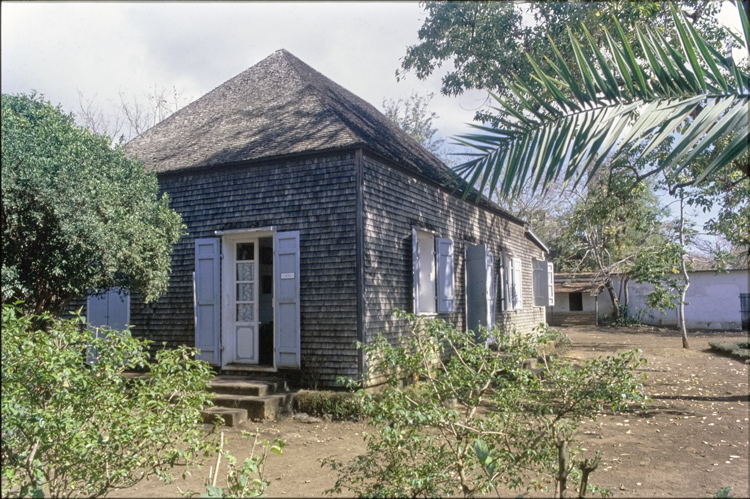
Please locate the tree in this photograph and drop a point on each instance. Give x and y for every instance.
(690, 94)
(475, 419)
(545, 212)
(73, 428)
(484, 42)
(414, 117)
(78, 217)
(130, 116)
(612, 226)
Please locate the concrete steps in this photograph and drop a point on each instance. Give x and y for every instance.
(241, 398)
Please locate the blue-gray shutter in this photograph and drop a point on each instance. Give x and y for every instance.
(118, 313)
(207, 299)
(286, 289)
(446, 301)
(415, 265)
(111, 311)
(539, 280)
(96, 316)
(477, 289)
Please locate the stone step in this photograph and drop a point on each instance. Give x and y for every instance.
(257, 407)
(241, 385)
(230, 416)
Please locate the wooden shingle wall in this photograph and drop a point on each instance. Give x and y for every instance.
(316, 196)
(394, 202)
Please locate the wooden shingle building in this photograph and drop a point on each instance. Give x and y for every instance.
(310, 217)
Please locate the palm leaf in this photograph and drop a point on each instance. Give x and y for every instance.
(676, 93)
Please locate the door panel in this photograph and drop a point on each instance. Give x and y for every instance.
(287, 291)
(244, 306)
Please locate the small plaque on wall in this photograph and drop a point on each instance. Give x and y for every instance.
(288, 275)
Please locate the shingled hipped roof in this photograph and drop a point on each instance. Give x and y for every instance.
(279, 107)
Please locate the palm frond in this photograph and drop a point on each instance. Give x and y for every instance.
(690, 94)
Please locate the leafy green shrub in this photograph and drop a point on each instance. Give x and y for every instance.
(70, 428)
(247, 480)
(545, 336)
(77, 214)
(737, 349)
(340, 405)
(625, 318)
(476, 419)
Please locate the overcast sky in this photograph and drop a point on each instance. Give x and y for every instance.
(105, 48)
(102, 49)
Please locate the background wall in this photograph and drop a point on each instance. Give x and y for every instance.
(713, 301)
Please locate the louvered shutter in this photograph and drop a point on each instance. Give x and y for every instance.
(539, 280)
(415, 267)
(287, 296)
(207, 300)
(446, 301)
(490, 283)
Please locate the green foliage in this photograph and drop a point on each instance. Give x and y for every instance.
(474, 418)
(483, 42)
(661, 266)
(608, 102)
(737, 349)
(247, 479)
(610, 225)
(72, 428)
(624, 318)
(340, 405)
(77, 215)
(724, 492)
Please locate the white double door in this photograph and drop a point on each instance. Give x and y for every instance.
(246, 298)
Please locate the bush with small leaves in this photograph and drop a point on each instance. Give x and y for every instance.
(77, 428)
(475, 418)
(248, 479)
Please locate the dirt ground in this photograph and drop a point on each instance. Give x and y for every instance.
(691, 441)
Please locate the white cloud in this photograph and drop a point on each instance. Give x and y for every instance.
(102, 49)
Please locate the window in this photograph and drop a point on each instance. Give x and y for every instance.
(511, 289)
(544, 283)
(576, 302)
(433, 273)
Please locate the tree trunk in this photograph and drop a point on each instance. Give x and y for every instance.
(562, 470)
(626, 281)
(685, 276)
(613, 297)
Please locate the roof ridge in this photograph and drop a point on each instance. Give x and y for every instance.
(319, 93)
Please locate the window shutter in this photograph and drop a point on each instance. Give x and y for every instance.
(490, 283)
(207, 299)
(508, 289)
(446, 301)
(118, 310)
(550, 285)
(415, 265)
(517, 289)
(287, 301)
(539, 280)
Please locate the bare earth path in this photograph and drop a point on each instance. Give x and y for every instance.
(691, 441)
